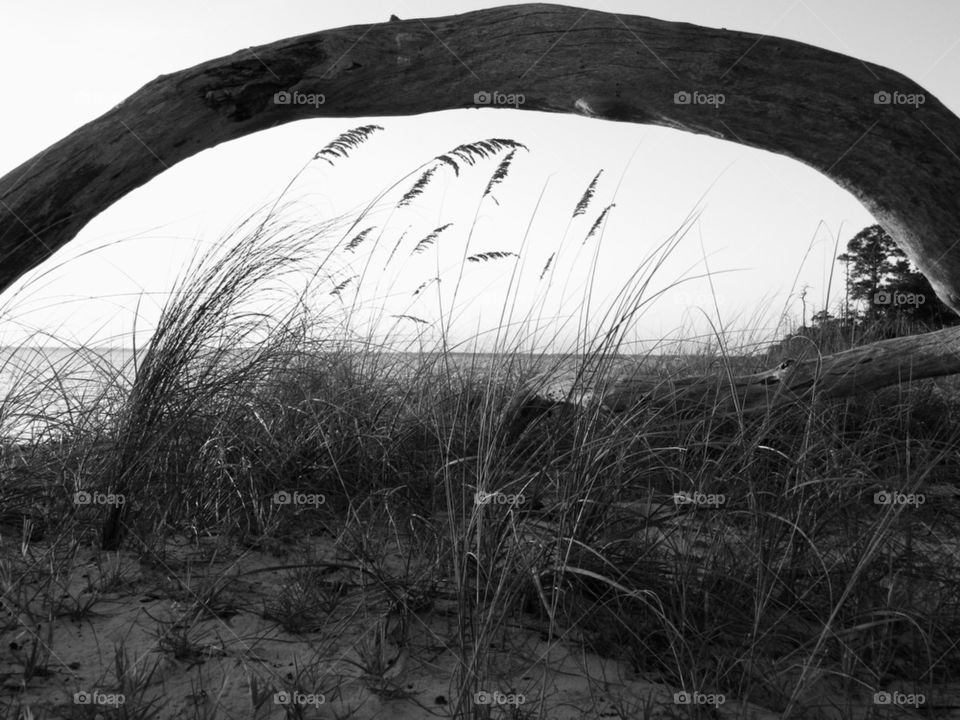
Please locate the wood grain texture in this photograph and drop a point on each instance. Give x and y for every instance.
(844, 374)
(787, 97)
(901, 159)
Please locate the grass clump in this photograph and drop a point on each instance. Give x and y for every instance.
(484, 508)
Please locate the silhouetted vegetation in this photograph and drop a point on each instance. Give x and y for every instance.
(885, 297)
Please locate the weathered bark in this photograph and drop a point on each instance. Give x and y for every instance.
(865, 368)
(816, 106)
(789, 98)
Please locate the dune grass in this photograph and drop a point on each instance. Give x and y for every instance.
(749, 558)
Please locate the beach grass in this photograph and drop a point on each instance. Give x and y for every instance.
(270, 512)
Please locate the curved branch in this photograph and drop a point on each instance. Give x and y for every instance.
(900, 159)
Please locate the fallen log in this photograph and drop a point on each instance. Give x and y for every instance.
(844, 374)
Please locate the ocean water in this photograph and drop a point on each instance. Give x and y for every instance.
(41, 386)
(38, 383)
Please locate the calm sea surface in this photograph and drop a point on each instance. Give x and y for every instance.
(37, 384)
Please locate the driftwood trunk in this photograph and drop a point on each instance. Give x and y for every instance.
(872, 130)
(843, 374)
(822, 108)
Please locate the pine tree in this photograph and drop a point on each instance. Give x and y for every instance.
(893, 291)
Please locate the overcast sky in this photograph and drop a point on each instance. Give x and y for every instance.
(767, 227)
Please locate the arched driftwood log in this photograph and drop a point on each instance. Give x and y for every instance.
(873, 131)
